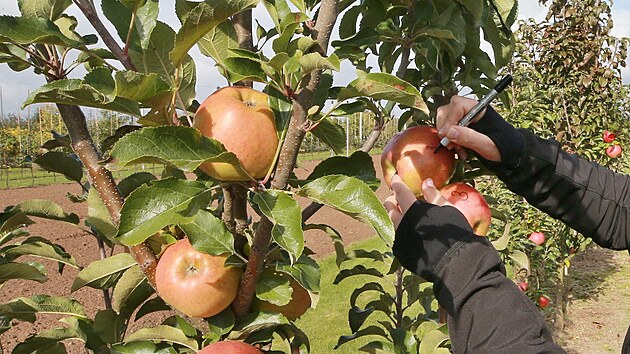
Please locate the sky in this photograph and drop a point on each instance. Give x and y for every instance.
(14, 87)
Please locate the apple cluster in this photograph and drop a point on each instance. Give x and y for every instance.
(613, 151)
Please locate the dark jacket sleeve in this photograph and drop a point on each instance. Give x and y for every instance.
(588, 197)
(487, 312)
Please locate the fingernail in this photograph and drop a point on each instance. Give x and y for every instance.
(453, 134)
(430, 182)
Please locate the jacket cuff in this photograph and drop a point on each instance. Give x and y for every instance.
(509, 140)
(426, 234)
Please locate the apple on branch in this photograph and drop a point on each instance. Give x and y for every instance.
(241, 119)
(230, 347)
(410, 154)
(537, 237)
(196, 283)
(471, 203)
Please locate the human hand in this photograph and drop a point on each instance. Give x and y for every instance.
(403, 198)
(446, 120)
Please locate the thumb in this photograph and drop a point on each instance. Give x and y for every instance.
(469, 138)
(403, 194)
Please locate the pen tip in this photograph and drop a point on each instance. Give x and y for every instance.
(437, 149)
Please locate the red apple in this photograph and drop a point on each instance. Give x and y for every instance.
(410, 154)
(537, 237)
(609, 137)
(195, 283)
(543, 301)
(240, 118)
(300, 302)
(230, 347)
(613, 151)
(471, 203)
(523, 286)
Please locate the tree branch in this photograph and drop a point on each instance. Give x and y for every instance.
(89, 12)
(102, 180)
(288, 156)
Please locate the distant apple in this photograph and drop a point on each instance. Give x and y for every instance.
(471, 203)
(613, 151)
(523, 286)
(543, 301)
(609, 137)
(537, 238)
(410, 154)
(230, 347)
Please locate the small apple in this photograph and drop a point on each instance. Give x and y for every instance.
(229, 347)
(240, 118)
(543, 301)
(537, 237)
(613, 151)
(609, 137)
(471, 203)
(300, 302)
(195, 283)
(410, 154)
(523, 286)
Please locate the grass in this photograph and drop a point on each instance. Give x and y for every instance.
(329, 320)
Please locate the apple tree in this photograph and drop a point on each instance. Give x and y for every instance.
(408, 57)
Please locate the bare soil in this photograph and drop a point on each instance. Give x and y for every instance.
(596, 322)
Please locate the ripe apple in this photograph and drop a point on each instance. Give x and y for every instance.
(543, 301)
(613, 151)
(300, 302)
(239, 118)
(609, 137)
(229, 347)
(523, 286)
(471, 203)
(195, 283)
(537, 237)
(410, 153)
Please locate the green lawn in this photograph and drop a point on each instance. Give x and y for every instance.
(329, 320)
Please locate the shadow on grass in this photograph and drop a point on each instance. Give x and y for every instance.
(590, 271)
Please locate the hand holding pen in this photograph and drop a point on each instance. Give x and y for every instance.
(468, 109)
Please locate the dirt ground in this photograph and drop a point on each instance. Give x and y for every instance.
(597, 321)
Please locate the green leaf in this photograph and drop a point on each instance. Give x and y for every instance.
(98, 216)
(208, 234)
(204, 17)
(274, 288)
(96, 90)
(244, 68)
(11, 221)
(520, 258)
(42, 248)
(134, 181)
(153, 305)
(14, 56)
(163, 334)
(145, 17)
(501, 243)
(150, 89)
(142, 347)
(368, 331)
(357, 316)
(102, 274)
(432, 341)
(150, 208)
(371, 286)
(330, 133)
(286, 214)
(358, 269)
(347, 109)
(306, 271)
(354, 198)
(220, 324)
(217, 43)
(30, 30)
(359, 165)
(131, 279)
(179, 146)
(45, 209)
(25, 308)
(59, 162)
(48, 341)
(315, 61)
(12, 270)
(48, 9)
(383, 86)
(109, 326)
(336, 238)
(256, 321)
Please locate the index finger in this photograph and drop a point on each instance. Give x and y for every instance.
(404, 195)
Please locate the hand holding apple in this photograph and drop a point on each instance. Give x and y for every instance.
(239, 118)
(410, 154)
(195, 283)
